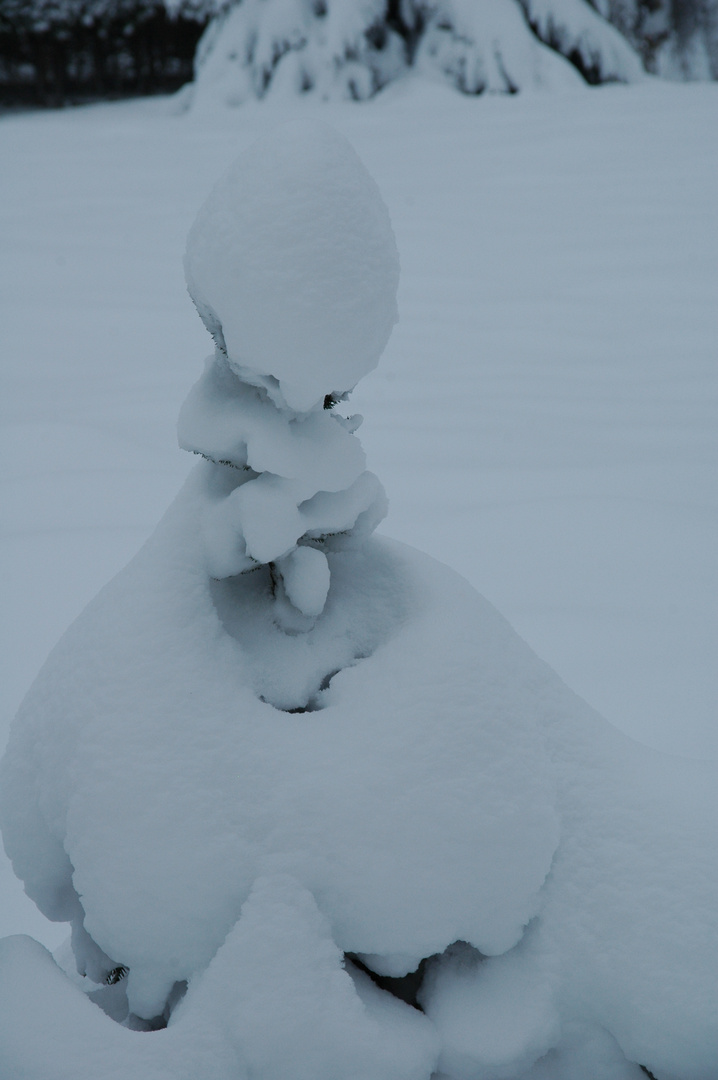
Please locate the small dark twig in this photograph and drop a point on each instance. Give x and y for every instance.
(116, 975)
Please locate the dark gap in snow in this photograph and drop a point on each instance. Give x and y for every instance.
(324, 684)
(405, 988)
(408, 987)
(408, 22)
(160, 1022)
(591, 72)
(511, 87)
(377, 35)
(225, 462)
(228, 464)
(314, 704)
(176, 994)
(138, 1023)
(296, 671)
(112, 999)
(647, 1072)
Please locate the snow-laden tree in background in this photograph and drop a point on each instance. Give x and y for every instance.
(295, 46)
(507, 45)
(311, 807)
(677, 39)
(352, 49)
(62, 50)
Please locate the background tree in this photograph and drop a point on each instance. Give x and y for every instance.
(54, 52)
(677, 38)
(339, 48)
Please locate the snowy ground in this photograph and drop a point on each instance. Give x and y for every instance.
(544, 418)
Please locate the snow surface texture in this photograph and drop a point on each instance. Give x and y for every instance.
(346, 49)
(445, 806)
(293, 267)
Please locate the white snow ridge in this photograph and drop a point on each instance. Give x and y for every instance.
(313, 809)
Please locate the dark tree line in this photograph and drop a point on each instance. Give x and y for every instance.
(57, 52)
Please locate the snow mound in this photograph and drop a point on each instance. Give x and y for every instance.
(293, 266)
(446, 807)
(162, 720)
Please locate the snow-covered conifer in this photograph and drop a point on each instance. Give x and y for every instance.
(309, 803)
(331, 47)
(677, 39)
(340, 48)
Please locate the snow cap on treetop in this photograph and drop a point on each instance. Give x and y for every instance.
(293, 265)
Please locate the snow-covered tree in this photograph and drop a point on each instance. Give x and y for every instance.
(676, 38)
(347, 49)
(295, 46)
(352, 48)
(311, 807)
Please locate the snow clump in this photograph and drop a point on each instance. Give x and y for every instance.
(293, 267)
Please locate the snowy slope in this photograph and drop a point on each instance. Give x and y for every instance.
(543, 418)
